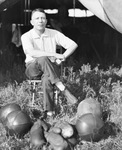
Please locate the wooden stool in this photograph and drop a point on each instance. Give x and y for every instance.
(34, 85)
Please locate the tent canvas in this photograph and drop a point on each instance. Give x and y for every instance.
(109, 11)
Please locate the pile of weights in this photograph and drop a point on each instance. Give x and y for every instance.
(86, 126)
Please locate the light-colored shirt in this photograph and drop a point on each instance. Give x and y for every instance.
(48, 41)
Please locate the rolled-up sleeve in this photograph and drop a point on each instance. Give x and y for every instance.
(63, 40)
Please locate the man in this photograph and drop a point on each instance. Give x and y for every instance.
(39, 45)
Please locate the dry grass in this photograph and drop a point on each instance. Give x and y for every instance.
(105, 86)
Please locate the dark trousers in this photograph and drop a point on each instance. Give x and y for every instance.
(43, 69)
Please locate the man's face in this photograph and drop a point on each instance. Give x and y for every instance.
(39, 20)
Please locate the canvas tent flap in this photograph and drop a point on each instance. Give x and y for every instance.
(110, 11)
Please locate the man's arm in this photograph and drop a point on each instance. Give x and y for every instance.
(28, 49)
(70, 50)
(67, 53)
(68, 44)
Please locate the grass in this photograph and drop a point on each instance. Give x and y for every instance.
(103, 85)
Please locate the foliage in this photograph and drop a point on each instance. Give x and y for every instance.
(103, 85)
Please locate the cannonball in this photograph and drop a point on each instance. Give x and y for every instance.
(88, 127)
(37, 134)
(8, 108)
(89, 105)
(18, 123)
(73, 140)
(55, 130)
(56, 141)
(66, 129)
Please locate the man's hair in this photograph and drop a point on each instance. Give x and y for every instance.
(38, 10)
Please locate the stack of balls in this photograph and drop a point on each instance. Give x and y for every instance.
(60, 137)
(89, 121)
(15, 121)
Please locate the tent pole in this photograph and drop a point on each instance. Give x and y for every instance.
(74, 11)
(28, 12)
(25, 16)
